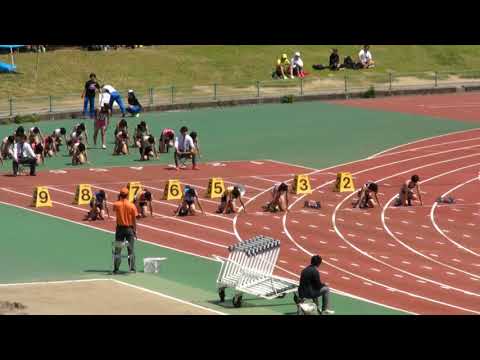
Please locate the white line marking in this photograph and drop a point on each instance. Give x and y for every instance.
(351, 235)
(419, 237)
(359, 224)
(384, 257)
(398, 233)
(398, 276)
(367, 283)
(294, 249)
(303, 237)
(375, 269)
(313, 226)
(342, 247)
(33, 283)
(353, 264)
(266, 228)
(323, 242)
(421, 281)
(371, 240)
(345, 277)
(427, 267)
(450, 273)
(378, 228)
(283, 261)
(168, 297)
(139, 224)
(334, 259)
(295, 221)
(392, 245)
(406, 262)
(405, 222)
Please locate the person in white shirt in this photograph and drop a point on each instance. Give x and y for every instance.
(5, 146)
(22, 153)
(185, 148)
(365, 58)
(114, 97)
(296, 69)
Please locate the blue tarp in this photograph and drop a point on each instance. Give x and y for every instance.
(7, 68)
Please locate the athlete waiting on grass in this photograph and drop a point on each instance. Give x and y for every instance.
(141, 200)
(187, 205)
(98, 206)
(365, 196)
(279, 198)
(121, 140)
(227, 202)
(101, 123)
(79, 156)
(140, 132)
(148, 148)
(79, 131)
(5, 146)
(57, 134)
(166, 140)
(406, 195)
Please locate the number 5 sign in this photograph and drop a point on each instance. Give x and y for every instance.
(344, 182)
(41, 197)
(215, 188)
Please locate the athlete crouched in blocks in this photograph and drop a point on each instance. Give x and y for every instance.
(141, 200)
(279, 198)
(98, 206)
(187, 205)
(79, 156)
(49, 147)
(147, 148)
(166, 140)
(365, 196)
(406, 194)
(227, 202)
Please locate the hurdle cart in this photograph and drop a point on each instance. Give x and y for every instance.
(249, 268)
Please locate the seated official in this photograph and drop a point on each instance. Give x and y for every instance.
(22, 153)
(185, 148)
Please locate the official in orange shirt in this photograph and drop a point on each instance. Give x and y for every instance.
(126, 214)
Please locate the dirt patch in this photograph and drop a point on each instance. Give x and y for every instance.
(11, 308)
(104, 297)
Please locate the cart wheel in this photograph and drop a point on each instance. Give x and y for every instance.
(237, 301)
(281, 296)
(221, 294)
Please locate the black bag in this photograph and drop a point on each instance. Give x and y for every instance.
(318, 67)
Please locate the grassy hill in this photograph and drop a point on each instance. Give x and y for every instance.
(64, 71)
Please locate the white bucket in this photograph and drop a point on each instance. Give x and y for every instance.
(152, 265)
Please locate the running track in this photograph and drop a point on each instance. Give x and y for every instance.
(421, 259)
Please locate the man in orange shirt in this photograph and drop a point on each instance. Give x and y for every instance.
(126, 214)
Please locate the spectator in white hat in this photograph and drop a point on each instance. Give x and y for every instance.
(297, 66)
(134, 107)
(365, 58)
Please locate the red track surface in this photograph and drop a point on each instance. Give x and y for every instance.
(465, 107)
(416, 259)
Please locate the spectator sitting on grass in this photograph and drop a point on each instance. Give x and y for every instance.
(282, 69)
(334, 62)
(5, 146)
(297, 66)
(365, 58)
(134, 108)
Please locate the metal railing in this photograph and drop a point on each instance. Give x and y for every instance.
(342, 82)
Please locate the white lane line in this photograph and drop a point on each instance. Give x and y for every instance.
(303, 237)
(411, 211)
(295, 221)
(247, 223)
(471, 224)
(391, 245)
(405, 222)
(259, 178)
(425, 226)
(375, 269)
(378, 228)
(406, 262)
(323, 242)
(331, 230)
(339, 219)
(334, 259)
(320, 214)
(467, 236)
(367, 283)
(384, 257)
(345, 278)
(439, 243)
(434, 255)
(323, 272)
(474, 279)
(139, 224)
(427, 267)
(450, 273)
(398, 276)
(457, 260)
(313, 226)
(358, 224)
(301, 266)
(356, 265)
(283, 261)
(294, 249)
(421, 281)
(266, 228)
(450, 220)
(351, 235)
(342, 247)
(445, 231)
(398, 233)
(419, 237)
(371, 240)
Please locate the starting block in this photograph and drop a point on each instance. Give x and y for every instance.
(134, 187)
(301, 185)
(344, 182)
(83, 194)
(173, 190)
(41, 197)
(215, 189)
